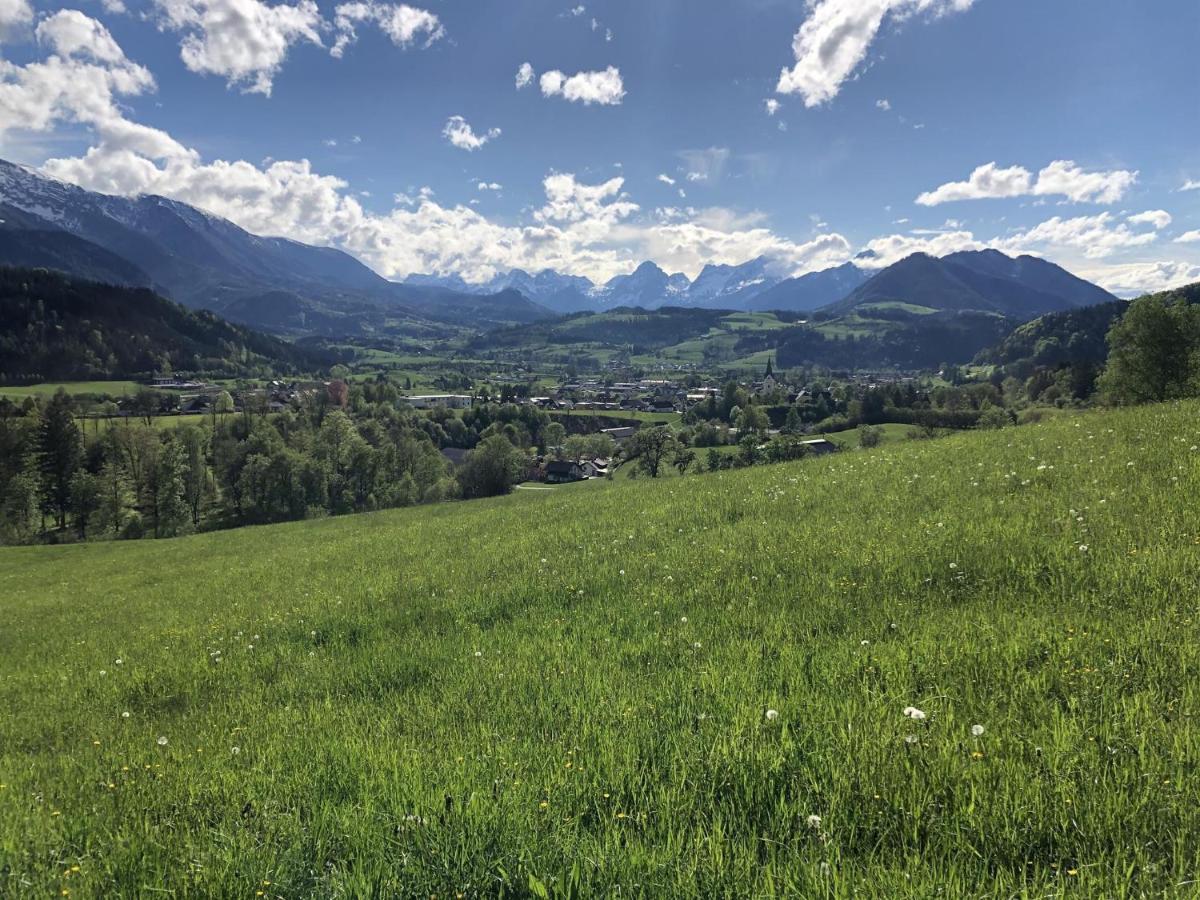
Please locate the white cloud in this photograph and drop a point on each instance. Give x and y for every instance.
(245, 41)
(883, 251)
(15, 17)
(459, 133)
(524, 76)
(490, 186)
(1190, 185)
(885, 105)
(1135, 279)
(605, 88)
(81, 81)
(772, 105)
(833, 41)
(577, 10)
(986, 181)
(1060, 178)
(1096, 237)
(1188, 237)
(70, 34)
(1063, 177)
(402, 23)
(1158, 219)
(666, 179)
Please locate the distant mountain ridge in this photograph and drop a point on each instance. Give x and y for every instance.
(1020, 288)
(740, 288)
(988, 281)
(206, 262)
(280, 285)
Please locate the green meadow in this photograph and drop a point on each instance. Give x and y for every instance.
(74, 388)
(958, 668)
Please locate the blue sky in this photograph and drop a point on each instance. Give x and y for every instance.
(684, 131)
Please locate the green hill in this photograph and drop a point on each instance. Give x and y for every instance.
(57, 328)
(566, 692)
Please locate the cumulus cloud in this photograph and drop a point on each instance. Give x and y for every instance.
(80, 81)
(524, 76)
(885, 105)
(1135, 279)
(1096, 237)
(15, 17)
(666, 179)
(1065, 178)
(402, 23)
(490, 186)
(604, 88)
(1188, 237)
(987, 181)
(834, 40)
(1190, 185)
(459, 133)
(244, 41)
(1158, 219)
(1060, 178)
(772, 105)
(883, 251)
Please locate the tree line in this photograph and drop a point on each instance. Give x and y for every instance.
(137, 479)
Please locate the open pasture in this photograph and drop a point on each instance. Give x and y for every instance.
(962, 668)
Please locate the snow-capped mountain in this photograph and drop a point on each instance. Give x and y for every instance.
(716, 287)
(733, 287)
(203, 261)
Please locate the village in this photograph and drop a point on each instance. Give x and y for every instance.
(606, 412)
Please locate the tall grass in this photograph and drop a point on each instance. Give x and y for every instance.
(566, 693)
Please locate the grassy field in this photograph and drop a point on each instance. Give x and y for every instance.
(689, 688)
(75, 388)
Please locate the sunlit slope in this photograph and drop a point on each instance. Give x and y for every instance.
(567, 691)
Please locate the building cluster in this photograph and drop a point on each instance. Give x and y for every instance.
(647, 395)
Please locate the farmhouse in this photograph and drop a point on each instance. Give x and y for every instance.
(620, 435)
(820, 446)
(596, 468)
(561, 471)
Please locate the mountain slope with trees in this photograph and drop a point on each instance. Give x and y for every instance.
(57, 328)
(982, 281)
(206, 262)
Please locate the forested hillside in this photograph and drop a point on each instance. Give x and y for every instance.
(56, 328)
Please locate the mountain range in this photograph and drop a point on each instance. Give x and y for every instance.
(275, 284)
(1019, 288)
(740, 288)
(205, 262)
